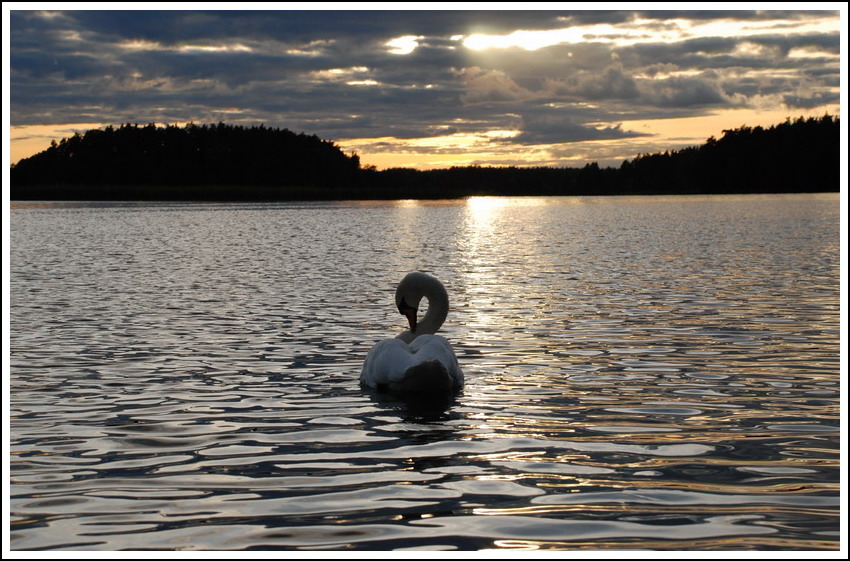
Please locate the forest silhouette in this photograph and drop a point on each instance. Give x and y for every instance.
(231, 162)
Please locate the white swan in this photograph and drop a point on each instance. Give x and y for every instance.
(417, 361)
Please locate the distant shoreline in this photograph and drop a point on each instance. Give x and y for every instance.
(151, 196)
(21, 203)
(233, 163)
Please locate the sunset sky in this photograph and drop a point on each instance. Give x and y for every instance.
(426, 88)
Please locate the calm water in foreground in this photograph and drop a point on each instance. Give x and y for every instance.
(657, 372)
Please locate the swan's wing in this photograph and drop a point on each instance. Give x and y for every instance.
(386, 362)
(391, 360)
(436, 347)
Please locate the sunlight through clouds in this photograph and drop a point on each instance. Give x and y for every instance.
(403, 45)
(237, 48)
(639, 31)
(142, 45)
(534, 40)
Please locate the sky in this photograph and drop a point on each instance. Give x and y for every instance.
(427, 87)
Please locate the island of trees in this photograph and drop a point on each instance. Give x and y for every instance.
(228, 162)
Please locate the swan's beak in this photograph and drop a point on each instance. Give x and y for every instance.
(409, 313)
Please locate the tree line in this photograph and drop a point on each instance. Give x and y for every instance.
(229, 162)
(195, 161)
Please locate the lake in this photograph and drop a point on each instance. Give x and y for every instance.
(641, 373)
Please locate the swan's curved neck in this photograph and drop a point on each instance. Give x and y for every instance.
(413, 288)
(438, 309)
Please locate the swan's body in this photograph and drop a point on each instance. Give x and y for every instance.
(417, 361)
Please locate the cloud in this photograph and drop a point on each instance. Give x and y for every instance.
(685, 92)
(810, 101)
(610, 83)
(491, 86)
(559, 127)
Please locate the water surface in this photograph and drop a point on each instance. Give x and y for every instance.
(655, 372)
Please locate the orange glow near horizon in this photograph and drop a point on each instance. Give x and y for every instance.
(693, 129)
(665, 134)
(27, 140)
(493, 148)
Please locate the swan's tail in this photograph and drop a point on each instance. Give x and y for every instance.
(427, 377)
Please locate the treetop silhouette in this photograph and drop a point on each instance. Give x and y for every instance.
(231, 162)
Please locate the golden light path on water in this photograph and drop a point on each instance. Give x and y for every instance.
(482, 215)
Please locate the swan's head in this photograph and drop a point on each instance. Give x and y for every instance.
(412, 288)
(409, 312)
(407, 302)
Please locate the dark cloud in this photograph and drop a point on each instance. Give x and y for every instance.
(687, 92)
(810, 101)
(723, 52)
(735, 15)
(556, 128)
(609, 83)
(177, 26)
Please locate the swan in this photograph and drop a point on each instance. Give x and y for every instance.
(416, 361)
